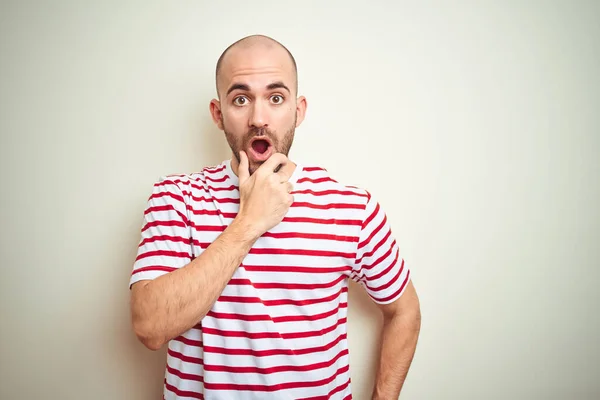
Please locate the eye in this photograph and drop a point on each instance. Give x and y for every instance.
(277, 99)
(240, 101)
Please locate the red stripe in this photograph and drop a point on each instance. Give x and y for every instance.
(388, 269)
(183, 393)
(166, 238)
(167, 194)
(286, 318)
(352, 222)
(167, 207)
(210, 228)
(396, 292)
(310, 169)
(215, 169)
(230, 188)
(328, 192)
(276, 369)
(163, 253)
(213, 199)
(380, 259)
(184, 375)
(323, 221)
(299, 270)
(297, 252)
(153, 268)
(174, 176)
(318, 180)
(375, 232)
(211, 212)
(294, 205)
(175, 182)
(377, 246)
(373, 214)
(279, 302)
(331, 393)
(389, 283)
(205, 187)
(273, 388)
(164, 223)
(301, 235)
(276, 335)
(284, 235)
(183, 357)
(216, 180)
(301, 252)
(189, 342)
(275, 352)
(342, 206)
(283, 285)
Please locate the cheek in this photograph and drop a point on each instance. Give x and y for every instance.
(286, 117)
(234, 119)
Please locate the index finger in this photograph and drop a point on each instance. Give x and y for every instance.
(273, 162)
(285, 174)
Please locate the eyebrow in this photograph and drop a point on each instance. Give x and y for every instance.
(278, 85)
(239, 86)
(246, 88)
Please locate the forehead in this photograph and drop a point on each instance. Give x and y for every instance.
(257, 67)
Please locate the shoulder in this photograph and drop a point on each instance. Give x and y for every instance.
(318, 178)
(186, 183)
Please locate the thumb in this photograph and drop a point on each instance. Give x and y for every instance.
(243, 173)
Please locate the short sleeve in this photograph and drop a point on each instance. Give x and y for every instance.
(378, 267)
(165, 243)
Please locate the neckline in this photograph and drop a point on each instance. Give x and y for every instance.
(293, 179)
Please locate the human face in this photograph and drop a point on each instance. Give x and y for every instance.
(258, 110)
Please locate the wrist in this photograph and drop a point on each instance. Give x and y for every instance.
(245, 229)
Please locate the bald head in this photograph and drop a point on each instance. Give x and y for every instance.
(254, 43)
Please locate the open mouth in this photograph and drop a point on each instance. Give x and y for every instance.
(260, 149)
(260, 146)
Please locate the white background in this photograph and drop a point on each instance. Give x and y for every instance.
(476, 125)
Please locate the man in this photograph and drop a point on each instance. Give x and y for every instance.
(243, 267)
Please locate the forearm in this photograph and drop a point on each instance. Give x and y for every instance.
(173, 303)
(399, 340)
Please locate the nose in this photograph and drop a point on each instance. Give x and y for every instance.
(259, 115)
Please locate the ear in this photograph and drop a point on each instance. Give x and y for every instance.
(300, 110)
(215, 112)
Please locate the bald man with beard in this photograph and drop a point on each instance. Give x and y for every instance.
(243, 268)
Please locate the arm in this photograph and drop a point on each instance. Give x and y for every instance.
(169, 305)
(173, 303)
(401, 326)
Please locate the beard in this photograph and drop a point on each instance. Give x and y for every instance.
(282, 145)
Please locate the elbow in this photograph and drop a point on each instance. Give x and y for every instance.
(416, 320)
(143, 323)
(147, 337)
(412, 317)
(152, 343)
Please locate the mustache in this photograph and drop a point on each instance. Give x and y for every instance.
(254, 131)
(258, 132)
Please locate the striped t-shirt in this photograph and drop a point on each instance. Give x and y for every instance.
(278, 329)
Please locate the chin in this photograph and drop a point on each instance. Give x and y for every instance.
(253, 167)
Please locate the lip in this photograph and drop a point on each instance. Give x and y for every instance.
(258, 156)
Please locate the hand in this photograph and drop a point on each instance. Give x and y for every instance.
(265, 197)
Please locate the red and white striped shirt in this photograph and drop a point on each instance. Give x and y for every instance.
(278, 330)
